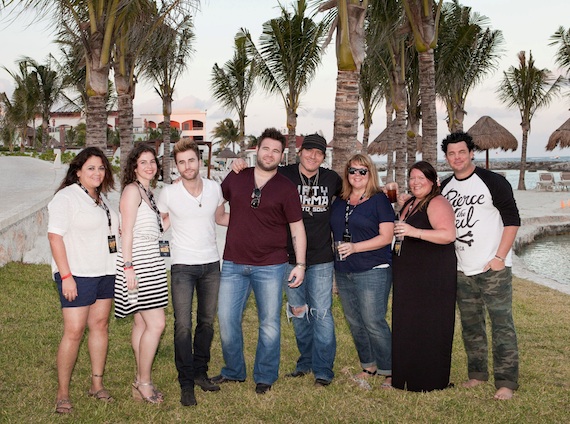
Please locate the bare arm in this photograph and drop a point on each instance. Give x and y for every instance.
(299, 239)
(129, 204)
(507, 240)
(165, 221)
(222, 217)
(238, 165)
(57, 246)
(442, 219)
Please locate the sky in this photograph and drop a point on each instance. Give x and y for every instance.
(525, 26)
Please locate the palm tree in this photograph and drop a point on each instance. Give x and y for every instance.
(234, 84)
(164, 62)
(423, 16)
(561, 38)
(24, 104)
(372, 92)
(387, 36)
(10, 116)
(529, 89)
(49, 86)
(227, 132)
(467, 52)
(289, 54)
(349, 17)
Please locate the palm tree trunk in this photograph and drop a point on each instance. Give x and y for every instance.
(525, 129)
(96, 122)
(429, 113)
(125, 103)
(167, 111)
(365, 137)
(345, 118)
(399, 132)
(291, 136)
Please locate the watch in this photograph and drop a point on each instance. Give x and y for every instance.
(128, 264)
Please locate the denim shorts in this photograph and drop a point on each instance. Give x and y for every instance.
(89, 289)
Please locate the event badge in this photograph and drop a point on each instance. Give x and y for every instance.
(164, 247)
(112, 241)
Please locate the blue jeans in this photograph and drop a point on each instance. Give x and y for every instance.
(314, 327)
(206, 280)
(236, 284)
(364, 298)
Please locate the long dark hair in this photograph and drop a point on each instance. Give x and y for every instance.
(129, 175)
(431, 174)
(77, 163)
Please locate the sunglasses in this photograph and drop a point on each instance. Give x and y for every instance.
(255, 198)
(361, 171)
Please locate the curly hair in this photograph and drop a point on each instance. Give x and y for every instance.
(77, 163)
(129, 175)
(431, 174)
(458, 137)
(373, 185)
(274, 134)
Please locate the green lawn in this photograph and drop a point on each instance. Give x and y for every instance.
(31, 324)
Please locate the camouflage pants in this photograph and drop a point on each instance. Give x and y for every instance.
(491, 290)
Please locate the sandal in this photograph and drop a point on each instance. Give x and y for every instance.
(140, 397)
(63, 406)
(102, 394)
(157, 392)
(387, 384)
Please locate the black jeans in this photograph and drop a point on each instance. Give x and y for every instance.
(192, 360)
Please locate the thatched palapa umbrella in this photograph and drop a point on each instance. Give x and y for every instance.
(489, 134)
(560, 137)
(380, 144)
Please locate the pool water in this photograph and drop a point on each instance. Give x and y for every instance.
(549, 256)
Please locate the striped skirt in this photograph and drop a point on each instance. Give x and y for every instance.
(151, 271)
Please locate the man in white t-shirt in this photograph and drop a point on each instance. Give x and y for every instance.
(194, 206)
(487, 221)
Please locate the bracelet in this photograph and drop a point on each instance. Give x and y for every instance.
(65, 276)
(128, 267)
(301, 265)
(499, 258)
(420, 236)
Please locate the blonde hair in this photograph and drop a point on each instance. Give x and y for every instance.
(373, 185)
(185, 144)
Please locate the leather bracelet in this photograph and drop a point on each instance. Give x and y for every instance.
(499, 258)
(63, 277)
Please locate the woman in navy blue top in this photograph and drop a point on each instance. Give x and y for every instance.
(363, 218)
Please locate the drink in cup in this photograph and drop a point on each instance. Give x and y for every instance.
(392, 192)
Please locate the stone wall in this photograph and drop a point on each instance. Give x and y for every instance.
(19, 241)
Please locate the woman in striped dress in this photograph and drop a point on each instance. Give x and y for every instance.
(141, 268)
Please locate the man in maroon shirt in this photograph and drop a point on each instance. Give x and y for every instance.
(263, 204)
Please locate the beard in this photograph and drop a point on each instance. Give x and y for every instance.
(266, 168)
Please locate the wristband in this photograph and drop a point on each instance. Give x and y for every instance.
(63, 277)
(301, 265)
(499, 258)
(128, 267)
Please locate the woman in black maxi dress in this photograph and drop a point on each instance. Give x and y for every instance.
(424, 288)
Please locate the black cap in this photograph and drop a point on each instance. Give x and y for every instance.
(314, 141)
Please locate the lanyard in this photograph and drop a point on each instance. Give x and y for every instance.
(152, 205)
(99, 202)
(348, 212)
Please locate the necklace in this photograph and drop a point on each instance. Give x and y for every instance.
(309, 184)
(198, 198)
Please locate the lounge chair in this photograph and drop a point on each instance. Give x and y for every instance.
(545, 181)
(564, 183)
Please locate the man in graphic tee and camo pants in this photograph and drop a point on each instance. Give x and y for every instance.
(487, 221)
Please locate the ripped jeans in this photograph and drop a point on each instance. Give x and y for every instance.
(314, 326)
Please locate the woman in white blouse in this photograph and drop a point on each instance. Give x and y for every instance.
(82, 233)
